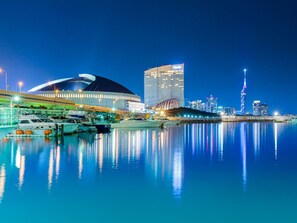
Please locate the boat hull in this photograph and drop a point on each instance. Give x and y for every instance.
(101, 128)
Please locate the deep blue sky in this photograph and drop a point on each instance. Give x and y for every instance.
(216, 39)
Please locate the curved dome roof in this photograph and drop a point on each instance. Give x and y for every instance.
(84, 82)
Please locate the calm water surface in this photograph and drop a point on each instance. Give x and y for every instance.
(226, 172)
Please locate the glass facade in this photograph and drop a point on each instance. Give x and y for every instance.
(164, 83)
(260, 108)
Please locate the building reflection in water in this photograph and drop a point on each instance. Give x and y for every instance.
(2, 181)
(275, 126)
(221, 141)
(243, 146)
(161, 153)
(50, 169)
(165, 157)
(207, 140)
(58, 159)
(20, 164)
(256, 139)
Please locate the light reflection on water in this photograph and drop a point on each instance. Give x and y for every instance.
(170, 158)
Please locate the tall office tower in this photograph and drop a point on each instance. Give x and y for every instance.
(260, 108)
(164, 83)
(212, 104)
(243, 94)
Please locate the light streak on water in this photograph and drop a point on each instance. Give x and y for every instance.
(50, 169)
(177, 178)
(221, 141)
(58, 159)
(243, 154)
(275, 126)
(256, 139)
(2, 181)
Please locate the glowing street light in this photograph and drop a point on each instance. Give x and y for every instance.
(275, 113)
(20, 83)
(80, 95)
(16, 99)
(3, 71)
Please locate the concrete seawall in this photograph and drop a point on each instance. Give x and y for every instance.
(247, 118)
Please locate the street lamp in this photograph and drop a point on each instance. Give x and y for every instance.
(20, 83)
(80, 94)
(15, 98)
(3, 71)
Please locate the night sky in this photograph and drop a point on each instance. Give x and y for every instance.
(44, 40)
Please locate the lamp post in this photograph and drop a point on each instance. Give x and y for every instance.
(15, 98)
(20, 83)
(3, 71)
(80, 94)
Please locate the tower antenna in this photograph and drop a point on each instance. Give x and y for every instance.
(243, 93)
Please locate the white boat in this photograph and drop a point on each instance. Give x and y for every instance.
(81, 126)
(34, 125)
(138, 123)
(64, 126)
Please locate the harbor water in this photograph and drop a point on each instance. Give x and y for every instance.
(220, 172)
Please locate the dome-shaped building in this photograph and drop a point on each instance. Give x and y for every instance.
(90, 90)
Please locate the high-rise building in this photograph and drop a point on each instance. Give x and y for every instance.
(164, 83)
(260, 108)
(229, 111)
(198, 105)
(243, 94)
(212, 104)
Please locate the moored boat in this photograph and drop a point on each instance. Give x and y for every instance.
(101, 127)
(64, 125)
(33, 125)
(81, 126)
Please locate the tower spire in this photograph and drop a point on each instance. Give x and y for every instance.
(243, 93)
(244, 73)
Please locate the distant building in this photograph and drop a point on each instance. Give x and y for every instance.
(211, 104)
(198, 105)
(229, 111)
(260, 108)
(164, 83)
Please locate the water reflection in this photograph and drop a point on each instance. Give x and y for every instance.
(2, 181)
(256, 137)
(206, 139)
(275, 139)
(243, 146)
(162, 154)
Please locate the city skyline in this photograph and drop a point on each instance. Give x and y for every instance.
(119, 40)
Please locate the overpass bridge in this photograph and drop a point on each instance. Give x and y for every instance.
(32, 101)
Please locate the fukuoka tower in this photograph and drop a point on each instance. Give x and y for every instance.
(243, 94)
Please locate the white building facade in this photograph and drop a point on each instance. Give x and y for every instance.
(87, 89)
(164, 83)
